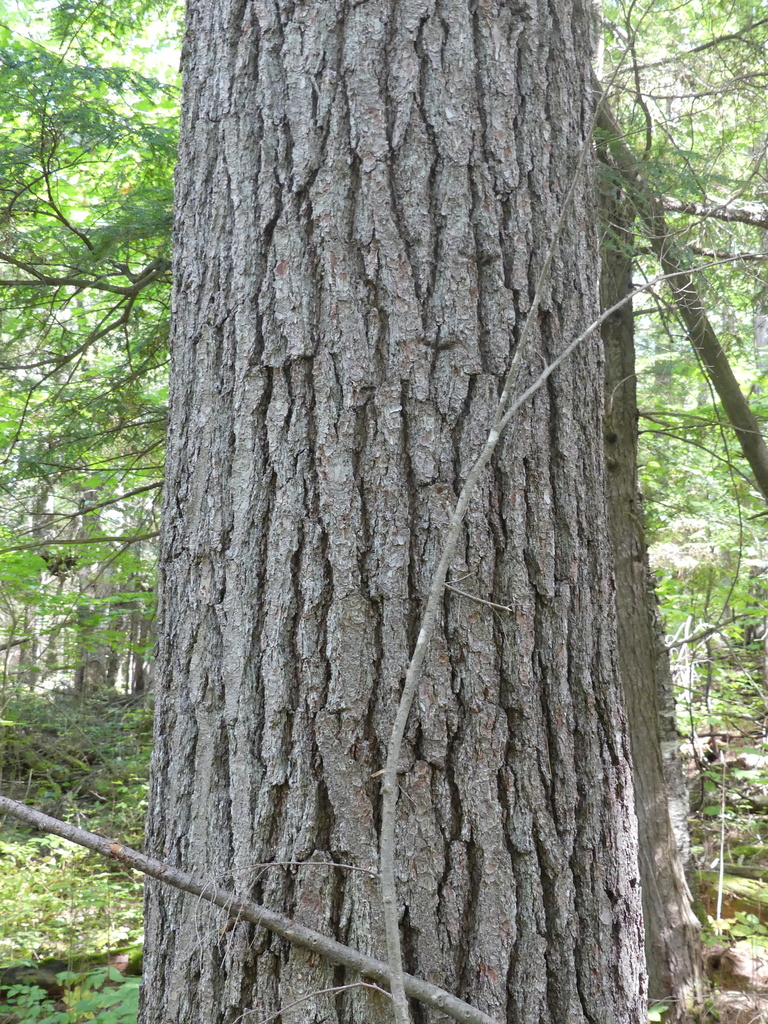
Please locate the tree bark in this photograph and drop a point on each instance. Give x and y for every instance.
(365, 196)
(671, 927)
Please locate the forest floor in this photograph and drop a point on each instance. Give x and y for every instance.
(66, 910)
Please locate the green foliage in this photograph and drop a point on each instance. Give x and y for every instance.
(64, 750)
(101, 995)
(86, 157)
(85, 761)
(116, 21)
(688, 82)
(88, 103)
(746, 926)
(88, 99)
(86, 184)
(60, 901)
(68, 620)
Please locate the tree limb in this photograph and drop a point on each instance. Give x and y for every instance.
(149, 274)
(245, 910)
(755, 214)
(16, 643)
(32, 545)
(717, 41)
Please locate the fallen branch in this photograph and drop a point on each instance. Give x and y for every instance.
(305, 938)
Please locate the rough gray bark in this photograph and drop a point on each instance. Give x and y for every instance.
(671, 927)
(365, 195)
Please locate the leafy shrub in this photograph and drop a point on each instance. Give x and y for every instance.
(103, 996)
(85, 761)
(60, 900)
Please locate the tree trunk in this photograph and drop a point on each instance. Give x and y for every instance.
(671, 927)
(138, 670)
(674, 262)
(96, 661)
(365, 197)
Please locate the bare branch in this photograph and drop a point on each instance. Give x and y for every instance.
(717, 41)
(479, 600)
(755, 214)
(314, 864)
(731, 257)
(31, 546)
(69, 516)
(16, 643)
(719, 90)
(150, 273)
(334, 989)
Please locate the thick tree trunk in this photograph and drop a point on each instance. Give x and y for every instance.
(365, 196)
(671, 927)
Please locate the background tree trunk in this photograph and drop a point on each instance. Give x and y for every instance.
(365, 196)
(661, 800)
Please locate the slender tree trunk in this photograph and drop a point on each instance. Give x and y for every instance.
(365, 196)
(675, 264)
(96, 661)
(138, 675)
(671, 927)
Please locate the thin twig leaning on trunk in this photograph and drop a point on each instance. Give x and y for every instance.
(306, 938)
(505, 410)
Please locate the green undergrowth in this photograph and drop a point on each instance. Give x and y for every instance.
(76, 758)
(102, 995)
(730, 822)
(58, 900)
(85, 761)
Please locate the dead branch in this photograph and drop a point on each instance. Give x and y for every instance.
(755, 214)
